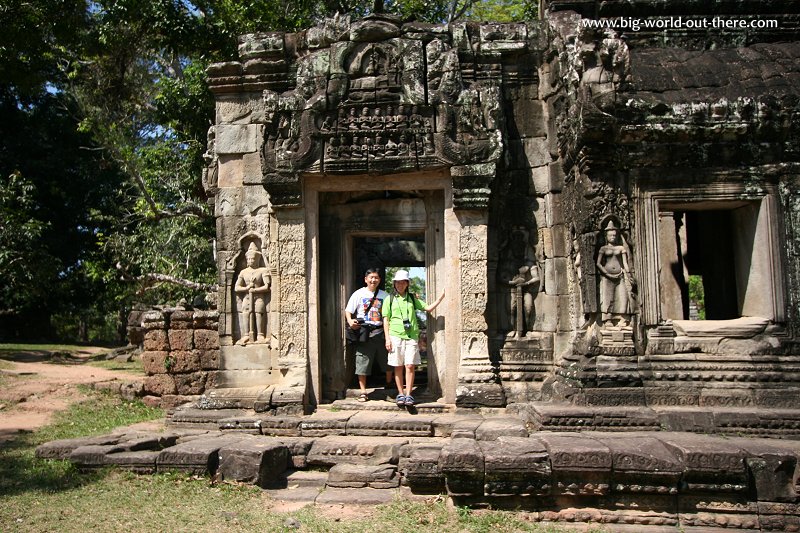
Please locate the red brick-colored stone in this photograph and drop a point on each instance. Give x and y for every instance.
(184, 361)
(159, 385)
(153, 362)
(156, 340)
(152, 401)
(180, 339)
(189, 384)
(209, 359)
(206, 339)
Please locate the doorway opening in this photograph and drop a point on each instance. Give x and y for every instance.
(382, 229)
(714, 261)
(389, 254)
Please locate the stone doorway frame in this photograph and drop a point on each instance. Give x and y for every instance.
(441, 252)
(650, 197)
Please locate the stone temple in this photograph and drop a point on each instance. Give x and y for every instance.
(561, 183)
(569, 188)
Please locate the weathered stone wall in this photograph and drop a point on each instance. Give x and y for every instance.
(565, 151)
(181, 355)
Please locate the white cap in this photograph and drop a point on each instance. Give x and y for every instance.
(400, 275)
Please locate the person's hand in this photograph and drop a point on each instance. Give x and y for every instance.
(354, 323)
(388, 345)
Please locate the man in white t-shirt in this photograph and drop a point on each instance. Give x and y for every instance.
(363, 315)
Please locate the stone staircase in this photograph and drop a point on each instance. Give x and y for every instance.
(353, 453)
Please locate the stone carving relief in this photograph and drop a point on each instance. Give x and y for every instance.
(252, 293)
(210, 176)
(519, 283)
(376, 104)
(615, 280)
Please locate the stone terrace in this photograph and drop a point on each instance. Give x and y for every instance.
(369, 453)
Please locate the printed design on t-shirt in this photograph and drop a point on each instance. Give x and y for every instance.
(373, 314)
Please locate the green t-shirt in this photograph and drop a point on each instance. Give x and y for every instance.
(398, 308)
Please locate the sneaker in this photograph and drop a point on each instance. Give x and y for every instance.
(409, 401)
(401, 400)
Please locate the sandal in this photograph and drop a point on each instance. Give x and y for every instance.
(363, 398)
(409, 401)
(401, 400)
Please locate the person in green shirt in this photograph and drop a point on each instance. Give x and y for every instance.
(402, 334)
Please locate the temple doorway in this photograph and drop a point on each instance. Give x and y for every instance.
(384, 229)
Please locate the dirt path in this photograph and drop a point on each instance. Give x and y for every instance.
(36, 384)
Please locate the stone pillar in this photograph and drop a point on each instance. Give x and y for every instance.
(290, 287)
(478, 384)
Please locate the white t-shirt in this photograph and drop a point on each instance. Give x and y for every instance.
(360, 300)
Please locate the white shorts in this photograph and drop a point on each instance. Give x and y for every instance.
(404, 352)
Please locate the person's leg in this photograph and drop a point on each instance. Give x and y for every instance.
(410, 379)
(382, 358)
(398, 379)
(395, 360)
(363, 368)
(411, 360)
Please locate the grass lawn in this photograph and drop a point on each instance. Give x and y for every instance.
(45, 495)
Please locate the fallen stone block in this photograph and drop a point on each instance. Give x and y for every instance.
(254, 460)
(773, 466)
(140, 462)
(198, 456)
(328, 451)
(292, 479)
(516, 466)
(444, 425)
(581, 465)
(92, 456)
(298, 449)
(61, 449)
(465, 429)
(462, 464)
(494, 428)
(642, 464)
(710, 464)
(357, 476)
(419, 467)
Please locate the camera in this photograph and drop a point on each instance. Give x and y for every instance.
(407, 324)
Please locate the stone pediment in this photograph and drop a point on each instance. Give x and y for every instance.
(373, 100)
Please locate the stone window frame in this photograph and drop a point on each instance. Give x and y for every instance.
(648, 199)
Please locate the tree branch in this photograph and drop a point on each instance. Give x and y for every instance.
(152, 279)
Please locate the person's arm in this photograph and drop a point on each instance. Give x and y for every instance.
(432, 306)
(348, 315)
(387, 316)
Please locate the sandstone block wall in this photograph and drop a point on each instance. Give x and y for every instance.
(181, 355)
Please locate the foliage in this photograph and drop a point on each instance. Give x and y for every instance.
(416, 284)
(103, 118)
(21, 472)
(697, 295)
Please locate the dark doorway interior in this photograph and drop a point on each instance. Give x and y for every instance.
(711, 256)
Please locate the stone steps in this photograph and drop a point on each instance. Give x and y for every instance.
(751, 421)
(654, 478)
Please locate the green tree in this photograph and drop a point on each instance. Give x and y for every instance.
(103, 119)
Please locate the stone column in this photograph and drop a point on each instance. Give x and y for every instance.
(478, 384)
(290, 287)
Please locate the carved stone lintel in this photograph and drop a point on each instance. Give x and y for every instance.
(285, 190)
